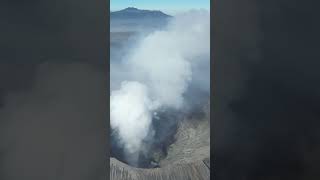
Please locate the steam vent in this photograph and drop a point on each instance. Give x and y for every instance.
(188, 157)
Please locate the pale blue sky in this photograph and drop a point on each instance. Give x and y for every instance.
(168, 6)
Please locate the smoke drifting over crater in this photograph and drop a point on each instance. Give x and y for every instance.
(159, 71)
(129, 104)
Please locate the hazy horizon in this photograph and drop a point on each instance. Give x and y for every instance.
(166, 6)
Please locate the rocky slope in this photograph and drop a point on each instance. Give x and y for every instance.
(187, 159)
(197, 170)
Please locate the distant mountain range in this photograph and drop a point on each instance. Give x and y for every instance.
(135, 13)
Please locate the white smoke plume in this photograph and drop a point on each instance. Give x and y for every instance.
(159, 72)
(131, 111)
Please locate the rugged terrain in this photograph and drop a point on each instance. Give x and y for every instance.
(192, 141)
(197, 170)
(188, 157)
